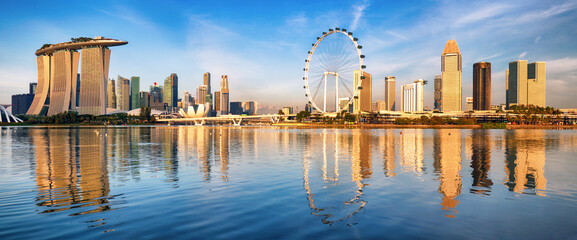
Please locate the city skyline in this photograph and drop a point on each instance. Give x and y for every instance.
(236, 41)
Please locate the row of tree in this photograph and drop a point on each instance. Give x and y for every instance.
(75, 118)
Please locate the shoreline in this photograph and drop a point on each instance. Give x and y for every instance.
(321, 125)
(393, 126)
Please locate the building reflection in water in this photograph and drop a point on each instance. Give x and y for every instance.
(221, 144)
(71, 170)
(388, 145)
(447, 162)
(412, 150)
(481, 162)
(524, 161)
(330, 195)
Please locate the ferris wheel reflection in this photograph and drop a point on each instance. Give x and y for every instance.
(330, 194)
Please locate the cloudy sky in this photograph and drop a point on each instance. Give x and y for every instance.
(262, 45)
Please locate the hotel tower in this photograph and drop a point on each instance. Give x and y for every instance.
(57, 77)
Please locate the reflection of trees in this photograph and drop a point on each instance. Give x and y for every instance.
(481, 162)
(525, 160)
(448, 157)
(330, 197)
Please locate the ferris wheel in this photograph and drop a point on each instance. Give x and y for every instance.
(334, 71)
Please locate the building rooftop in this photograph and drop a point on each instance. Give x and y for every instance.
(79, 43)
(451, 47)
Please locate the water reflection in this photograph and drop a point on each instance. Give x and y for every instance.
(448, 164)
(412, 150)
(524, 161)
(331, 196)
(75, 168)
(71, 170)
(481, 162)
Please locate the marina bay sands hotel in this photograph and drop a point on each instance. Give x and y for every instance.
(60, 89)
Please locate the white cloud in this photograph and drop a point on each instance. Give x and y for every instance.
(523, 54)
(537, 39)
(491, 11)
(397, 35)
(358, 11)
(128, 14)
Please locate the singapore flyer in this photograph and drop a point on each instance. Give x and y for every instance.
(329, 74)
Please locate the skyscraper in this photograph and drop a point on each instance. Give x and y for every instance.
(362, 102)
(123, 93)
(206, 81)
(236, 108)
(482, 86)
(437, 95)
(134, 92)
(187, 100)
(451, 68)
(526, 83)
(224, 95)
(201, 92)
(57, 76)
(217, 102)
(155, 97)
(390, 93)
(144, 99)
(250, 107)
(111, 93)
(171, 90)
(412, 96)
(93, 76)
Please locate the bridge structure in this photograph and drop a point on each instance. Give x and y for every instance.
(236, 120)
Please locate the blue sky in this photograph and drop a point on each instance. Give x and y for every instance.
(262, 45)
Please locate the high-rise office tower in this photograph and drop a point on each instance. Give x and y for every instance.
(250, 107)
(155, 97)
(362, 102)
(224, 95)
(412, 96)
(123, 93)
(111, 93)
(482, 86)
(451, 68)
(236, 108)
(32, 88)
(206, 81)
(217, 102)
(526, 83)
(187, 100)
(437, 94)
(58, 77)
(390, 93)
(144, 99)
(201, 93)
(134, 92)
(171, 90)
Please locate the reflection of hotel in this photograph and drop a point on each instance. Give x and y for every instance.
(448, 158)
(524, 161)
(69, 175)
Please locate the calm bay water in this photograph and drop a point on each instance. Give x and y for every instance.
(269, 183)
